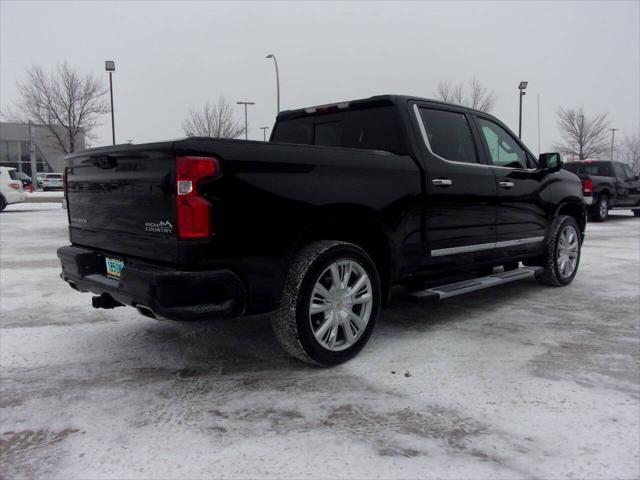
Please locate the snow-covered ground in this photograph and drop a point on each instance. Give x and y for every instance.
(520, 381)
(44, 197)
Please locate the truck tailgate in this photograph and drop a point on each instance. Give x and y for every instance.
(122, 200)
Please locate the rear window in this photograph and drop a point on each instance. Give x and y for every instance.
(371, 128)
(599, 169)
(14, 175)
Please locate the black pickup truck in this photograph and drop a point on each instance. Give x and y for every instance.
(607, 186)
(316, 225)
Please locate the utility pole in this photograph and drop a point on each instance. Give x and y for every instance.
(32, 158)
(246, 120)
(539, 152)
(580, 139)
(264, 133)
(613, 135)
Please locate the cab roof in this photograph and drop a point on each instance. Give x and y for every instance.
(375, 101)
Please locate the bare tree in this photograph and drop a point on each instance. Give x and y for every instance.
(213, 120)
(631, 153)
(478, 97)
(582, 136)
(62, 98)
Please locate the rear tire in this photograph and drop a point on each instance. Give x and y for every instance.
(3, 204)
(601, 209)
(562, 253)
(330, 303)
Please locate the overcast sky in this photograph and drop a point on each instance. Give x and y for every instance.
(172, 56)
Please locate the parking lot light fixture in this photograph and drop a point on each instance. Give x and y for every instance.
(110, 66)
(522, 87)
(264, 133)
(246, 121)
(275, 62)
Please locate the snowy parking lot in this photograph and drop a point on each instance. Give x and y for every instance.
(519, 381)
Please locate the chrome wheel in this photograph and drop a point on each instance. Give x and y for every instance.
(568, 251)
(341, 304)
(604, 207)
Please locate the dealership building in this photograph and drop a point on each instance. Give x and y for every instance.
(15, 142)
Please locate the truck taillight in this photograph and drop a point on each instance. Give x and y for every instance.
(587, 186)
(193, 211)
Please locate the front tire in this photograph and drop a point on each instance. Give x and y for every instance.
(601, 209)
(330, 303)
(562, 253)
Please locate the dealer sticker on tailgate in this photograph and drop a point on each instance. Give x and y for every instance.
(114, 267)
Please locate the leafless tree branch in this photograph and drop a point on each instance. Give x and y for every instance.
(478, 96)
(62, 98)
(631, 152)
(213, 120)
(582, 136)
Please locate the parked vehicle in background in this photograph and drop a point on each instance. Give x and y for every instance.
(316, 225)
(607, 185)
(10, 187)
(25, 179)
(52, 181)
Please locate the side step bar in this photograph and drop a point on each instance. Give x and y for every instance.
(451, 290)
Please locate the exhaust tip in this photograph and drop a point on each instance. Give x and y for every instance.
(145, 311)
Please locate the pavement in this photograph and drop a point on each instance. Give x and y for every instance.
(519, 381)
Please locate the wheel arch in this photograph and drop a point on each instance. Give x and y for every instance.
(577, 211)
(354, 224)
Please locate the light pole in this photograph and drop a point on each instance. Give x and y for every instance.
(110, 66)
(271, 55)
(246, 121)
(522, 87)
(613, 134)
(580, 140)
(264, 133)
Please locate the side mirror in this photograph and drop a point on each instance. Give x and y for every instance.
(550, 161)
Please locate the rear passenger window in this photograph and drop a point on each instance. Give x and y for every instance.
(449, 135)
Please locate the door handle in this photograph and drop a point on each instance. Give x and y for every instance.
(442, 182)
(506, 184)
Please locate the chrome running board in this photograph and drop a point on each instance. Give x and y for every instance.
(452, 289)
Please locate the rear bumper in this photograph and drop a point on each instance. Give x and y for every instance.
(166, 292)
(14, 196)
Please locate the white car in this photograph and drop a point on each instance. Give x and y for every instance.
(52, 181)
(10, 187)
